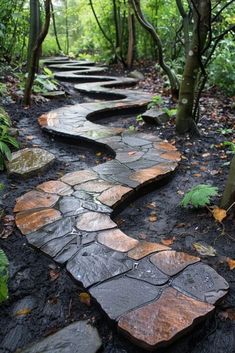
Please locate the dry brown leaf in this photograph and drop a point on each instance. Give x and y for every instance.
(231, 263)
(153, 217)
(131, 153)
(168, 242)
(197, 175)
(151, 205)
(219, 214)
(85, 298)
(23, 312)
(228, 314)
(54, 274)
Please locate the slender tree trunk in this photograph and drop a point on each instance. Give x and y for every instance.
(229, 192)
(34, 29)
(131, 37)
(54, 27)
(148, 26)
(36, 54)
(185, 24)
(66, 27)
(201, 16)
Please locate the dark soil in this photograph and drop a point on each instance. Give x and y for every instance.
(36, 282)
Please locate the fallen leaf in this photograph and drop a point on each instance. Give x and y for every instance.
(228, 314)
(204, 249)
(151, 205)
(85, 298)
(54, 274)
(197, 175)
(98, 154)
(153, 217)
(231, 263)
(219, 214)
(168, 242)
(204, 155)
(23, 312)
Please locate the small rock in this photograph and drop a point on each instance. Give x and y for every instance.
(13, 132)
(76, 338)
(29, 161)
(136, 74)
(155, 117)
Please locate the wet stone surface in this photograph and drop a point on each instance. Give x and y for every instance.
(29, 161)
(154, 294)
(75, 338)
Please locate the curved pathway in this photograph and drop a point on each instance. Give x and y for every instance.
(154, 294)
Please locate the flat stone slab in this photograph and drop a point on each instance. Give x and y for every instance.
(29, 161)
(153, 293)
(78, 337)
(159, 323)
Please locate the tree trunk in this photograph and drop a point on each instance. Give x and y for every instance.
(54, 27)
(36, 53)
(34, 29)
(148, 26)
(229, 192)
(131, 38)
(66, 27)
(201, 16)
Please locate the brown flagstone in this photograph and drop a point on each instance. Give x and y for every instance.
(172, 156)
(145, 248)
(171, 262)
(49, 120)
(55, 187)
(164, 145)
(94, 221)
(161, 322)
(117, 240)
(111, 196)
(79, 177)
(29, 222)
(98, 185)
(35, 200)
(144, 175)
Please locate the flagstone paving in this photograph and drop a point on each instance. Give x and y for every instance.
(154, 294)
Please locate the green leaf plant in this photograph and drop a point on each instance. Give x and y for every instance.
(4, 275)
(199, 196)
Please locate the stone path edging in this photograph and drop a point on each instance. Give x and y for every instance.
(153, 293)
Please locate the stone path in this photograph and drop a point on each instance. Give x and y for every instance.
(154, 294)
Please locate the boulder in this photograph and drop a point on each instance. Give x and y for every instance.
(136, 74)
(29, 161)
(155, 116)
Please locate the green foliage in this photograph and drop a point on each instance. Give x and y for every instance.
(4, 275)
(222, 68)
(170, 112)
(225, 131)
(199, 196)
(6, 141)
(230, 144)
(156, 101)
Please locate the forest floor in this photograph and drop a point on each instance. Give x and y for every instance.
(43, 298)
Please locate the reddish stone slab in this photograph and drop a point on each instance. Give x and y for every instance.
(94, 221)
(29, 222)
(145, 248)
(117, 240)
(161, 322)
(171, 156)
(98, 185)
(172, 262)
(145, 175)
(164, 145)
(35, 200)
(79, 177)
(111, 196)
(55, 187)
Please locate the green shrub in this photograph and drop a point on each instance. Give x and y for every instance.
(222, 68)
(4, 275)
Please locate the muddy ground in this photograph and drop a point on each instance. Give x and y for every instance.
(49, 292)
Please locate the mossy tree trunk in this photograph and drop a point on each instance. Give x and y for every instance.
(229, 192)
(36, 54)
(193, 64)
(131, 36)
